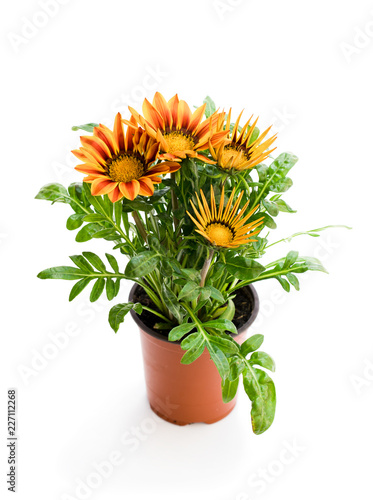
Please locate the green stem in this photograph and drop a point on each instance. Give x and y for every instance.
(156, 313)
(174, 201)
(265, 276)
(140, 226)
(245, 184)
(206, 267)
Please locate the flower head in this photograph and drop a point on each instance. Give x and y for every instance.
(120, 164)
(224, 227)
(181, 134)
(240, 152)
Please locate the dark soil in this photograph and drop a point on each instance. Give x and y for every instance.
(243, 303)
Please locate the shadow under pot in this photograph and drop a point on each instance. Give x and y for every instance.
(186, 394)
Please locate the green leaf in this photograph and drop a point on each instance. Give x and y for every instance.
(225, 345)
(293, 280)
(291, 258)
(210, 106)
(117, 287)
(191, 340)
(271, 207)
(171, 302)
(96, 201)
(215, 293)
(74, 221)
(230, 311)
(243, 268)
(62, 273)
(262, 359)
(313, 264)
(53, 192)
(76, 192)
(281, 166)
(251, 344)
(119, 311)
(268, 221)
(285, 285)
(142, 264)
(95, 261)
(82, 263)
(219, 360)
(189, 292)
(105, 233)
(195, 343)
(261, 391)
(281, 186)
(158, 194)
(137, 204)
(229, 389)
(221, 324)
(87, 232)
(78, 287)
(284, 207)
(113, 262)
(110, 289)
(95, 218)
(87, 127)
(118, 210)
(192, 274)
(179, 331)
(97, 289)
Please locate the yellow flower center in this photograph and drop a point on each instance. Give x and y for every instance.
(177, 141)
(219, 234)
(229, 153)
(125, 168)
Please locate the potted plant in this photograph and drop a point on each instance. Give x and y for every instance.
(191, 242)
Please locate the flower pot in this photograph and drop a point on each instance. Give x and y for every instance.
(185, 394)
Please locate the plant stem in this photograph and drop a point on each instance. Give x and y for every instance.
(206, 267)
(175, 203)
(156, 313)
(140, 226)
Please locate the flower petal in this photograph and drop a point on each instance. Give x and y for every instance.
(152, 115)
(119, 132)
(102, 185)
(161, 105)
(130, 189)
(146, 187)
(115, 195)
(173, 104)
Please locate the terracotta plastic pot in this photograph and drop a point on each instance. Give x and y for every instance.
(184, 394)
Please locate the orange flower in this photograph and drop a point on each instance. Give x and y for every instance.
(120, 164)
(224, 227)
(241, 152)
(180, 133)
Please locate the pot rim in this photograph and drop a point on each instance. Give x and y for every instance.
(153, 333)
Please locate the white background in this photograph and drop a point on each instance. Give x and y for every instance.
(307, 68)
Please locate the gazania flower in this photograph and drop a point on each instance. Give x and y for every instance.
(179, 132)
(121, 165)
(240, 153)
(224, 227)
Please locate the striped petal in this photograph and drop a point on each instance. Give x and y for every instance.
(152, 115)
(115, 195)
(130, 189)
(160, 103)
(102, 185)
(173, 104)
(146, 187)
(118, 132)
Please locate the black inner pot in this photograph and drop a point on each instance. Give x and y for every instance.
(246, 303)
